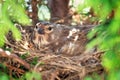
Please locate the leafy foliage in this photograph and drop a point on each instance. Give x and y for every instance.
(11, 11)
(108, 36)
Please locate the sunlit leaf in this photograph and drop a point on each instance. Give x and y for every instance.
(114, 75)
(110, 60)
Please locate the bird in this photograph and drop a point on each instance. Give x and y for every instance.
(61, 39)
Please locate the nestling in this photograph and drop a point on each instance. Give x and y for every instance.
(60, 39)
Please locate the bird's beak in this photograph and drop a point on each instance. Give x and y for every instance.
(41, 31)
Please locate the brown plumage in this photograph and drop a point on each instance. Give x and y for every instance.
(60, 39)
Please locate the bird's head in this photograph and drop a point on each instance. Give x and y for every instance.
(43, 28)
(42, 32)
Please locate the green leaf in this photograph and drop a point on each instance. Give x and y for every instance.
(110, 60)
(4, 76)
(33, 75)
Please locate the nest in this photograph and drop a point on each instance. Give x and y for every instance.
(50, 65)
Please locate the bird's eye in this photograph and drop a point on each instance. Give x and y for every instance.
(50, 28)
(36, 27)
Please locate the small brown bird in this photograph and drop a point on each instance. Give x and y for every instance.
(60, 39)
